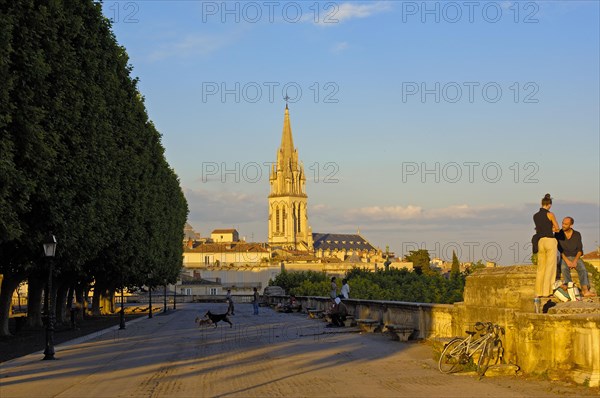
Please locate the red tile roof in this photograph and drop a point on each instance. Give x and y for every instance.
(231, 247)
(595, 255)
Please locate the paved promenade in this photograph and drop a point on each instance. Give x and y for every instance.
(270, 354)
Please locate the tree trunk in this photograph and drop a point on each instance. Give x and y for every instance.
(9, 284)
(96, 301)
(61, 304)
(34, 302)
(79, 294)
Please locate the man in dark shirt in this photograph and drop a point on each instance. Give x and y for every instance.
(570, 248)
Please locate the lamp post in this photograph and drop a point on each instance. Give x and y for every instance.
(49, 251)
(174, 297)
(150, 295)
(165, 299)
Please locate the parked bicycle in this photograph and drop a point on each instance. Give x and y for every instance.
(459, 352)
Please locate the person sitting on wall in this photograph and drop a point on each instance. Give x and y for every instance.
(338, 313)
(291, 305)
(570, 248)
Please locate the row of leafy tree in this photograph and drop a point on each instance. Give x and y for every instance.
(424, 284)
(80, 159)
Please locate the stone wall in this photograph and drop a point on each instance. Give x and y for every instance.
(562, 343)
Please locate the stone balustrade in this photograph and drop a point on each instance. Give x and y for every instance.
(562, 343)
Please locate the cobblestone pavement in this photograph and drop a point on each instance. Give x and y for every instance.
(271, 354)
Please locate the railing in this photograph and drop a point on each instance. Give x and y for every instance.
(158, 299)
(428, 320)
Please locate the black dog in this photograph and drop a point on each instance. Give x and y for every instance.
(215, 318)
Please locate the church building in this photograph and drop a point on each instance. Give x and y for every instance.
(288, 217)
(288, 223)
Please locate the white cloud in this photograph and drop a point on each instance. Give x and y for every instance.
(224, 208)
(339, 13)
(339, 47)
(191, 45)
(347, 11)
(418, 213)
(391, 213)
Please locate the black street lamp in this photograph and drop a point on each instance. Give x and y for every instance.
(49, 251)
(150, 295)
(165, 299)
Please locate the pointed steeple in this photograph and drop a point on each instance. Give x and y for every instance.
(287, 142)
(288, 219)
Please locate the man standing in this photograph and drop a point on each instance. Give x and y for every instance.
(345, 292)
(571, 249)
(229, 300)
(255, 298)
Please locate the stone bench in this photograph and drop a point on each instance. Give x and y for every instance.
(400, 332)
(315, 314)
(347, 323)
(367, 325)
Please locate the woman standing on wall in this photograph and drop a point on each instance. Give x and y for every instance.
(545, 226)
(333, 292)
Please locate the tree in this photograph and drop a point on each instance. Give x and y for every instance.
(80, 159)
(455, 270)
(420, 259)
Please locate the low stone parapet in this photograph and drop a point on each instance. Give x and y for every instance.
(562, 343)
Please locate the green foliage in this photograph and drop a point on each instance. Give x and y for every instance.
(474, 267)
(396, 285)
(593, 275)
(311, 288)
(403, 285)
(420, 259)
(534, 258)
(455, 270)
(79, 156)
(290, 281)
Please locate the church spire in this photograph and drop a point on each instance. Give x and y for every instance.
(288, 219)
(287, 142)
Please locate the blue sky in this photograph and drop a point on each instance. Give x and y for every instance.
(435, 125)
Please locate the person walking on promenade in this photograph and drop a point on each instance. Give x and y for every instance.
(255, 298)
(545, 227)
(229, 299)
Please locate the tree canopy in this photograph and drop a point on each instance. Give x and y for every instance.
(79, 157)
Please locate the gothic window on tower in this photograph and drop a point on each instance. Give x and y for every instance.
(283, 220)
(299, 218)
(294, 218)
(277, 220)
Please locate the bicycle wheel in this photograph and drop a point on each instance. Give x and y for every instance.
(486, 357)
(451, 358)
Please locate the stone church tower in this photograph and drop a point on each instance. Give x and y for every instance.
(288, 218)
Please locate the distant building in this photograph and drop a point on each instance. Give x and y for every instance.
(225, 254)
(194, 285)
(288, 219)
(290, 245)
(593, 258)
(224, 235)
(189, 233)
(343, 247)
